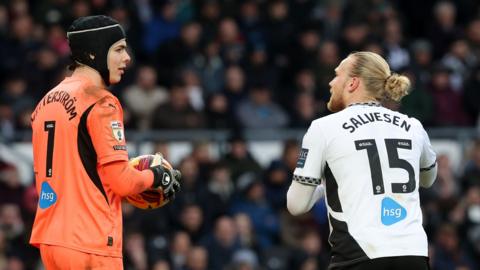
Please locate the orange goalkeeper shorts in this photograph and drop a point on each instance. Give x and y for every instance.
(61, 258)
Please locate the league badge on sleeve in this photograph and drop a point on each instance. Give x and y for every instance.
(302, 157)
(117, 129)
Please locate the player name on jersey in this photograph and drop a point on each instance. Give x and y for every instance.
(366, 118)
(63, 97)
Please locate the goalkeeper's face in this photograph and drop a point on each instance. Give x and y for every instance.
(117, 60)
(338, 85)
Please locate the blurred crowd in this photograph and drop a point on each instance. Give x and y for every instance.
(247, 64)
(231, 64)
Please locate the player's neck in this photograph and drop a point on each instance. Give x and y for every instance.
(360, 97)
(91, 74)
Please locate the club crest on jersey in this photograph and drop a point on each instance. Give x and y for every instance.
(392, 212)
(117, 130)
(302, 157)
(48, 196)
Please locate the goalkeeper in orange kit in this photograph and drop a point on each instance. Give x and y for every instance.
(80, 155)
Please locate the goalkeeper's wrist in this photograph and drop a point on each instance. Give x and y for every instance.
(158, 172)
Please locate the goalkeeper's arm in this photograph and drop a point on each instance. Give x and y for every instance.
(302, 197)
(125, 180)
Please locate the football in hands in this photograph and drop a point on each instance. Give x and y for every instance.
(151, 198)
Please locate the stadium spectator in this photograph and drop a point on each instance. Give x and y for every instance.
(443, 29)
(259, 110)
(174, 54)
(209, 17)
(258, 68)
(460, 60)
(143, 97)
(179, 249)
(162, 27)
(244, 259)
(422, 60)
(471, 95)
(238, 159)
(447, 189)
(192, 221)
(234, 86)
(45, 70)
(276, 182)
(198, 259)
(471, 173)
(136, 256)
(177, 113)
(218, 194)
(447, 102)
(210, 66)
(250, 23)
(305, 110)
(310, 251)
(192, 186)
(278, 32)
(221, 243)
(328, 59)
(396, 55)
(448, 251)
(246, 233)
(473, 36)
(231, 41)
(11, 188)
(219, 112)
(252, 201)
(418, 103)
(194, 89)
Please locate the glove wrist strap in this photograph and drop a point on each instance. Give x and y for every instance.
(157, 176)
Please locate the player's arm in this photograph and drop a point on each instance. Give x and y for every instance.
(306, 189)
(428, 162)
(428, 175)
(301, 197)
(125, 180)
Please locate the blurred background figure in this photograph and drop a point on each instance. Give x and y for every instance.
(221, 243)
(448, 250)
(260, 111)
(143, 97)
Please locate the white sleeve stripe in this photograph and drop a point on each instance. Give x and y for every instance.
(306, 180)
(92, 29)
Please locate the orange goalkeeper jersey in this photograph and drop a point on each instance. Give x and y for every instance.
(77, 127)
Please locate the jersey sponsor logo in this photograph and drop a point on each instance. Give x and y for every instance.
(392, 212)
(117, 130)
(48, 196)
(302, 157)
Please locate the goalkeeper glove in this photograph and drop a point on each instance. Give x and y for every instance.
(167, 179)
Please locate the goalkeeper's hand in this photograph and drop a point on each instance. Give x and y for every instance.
(166, 178)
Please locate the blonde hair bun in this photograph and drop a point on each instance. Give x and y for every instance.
(396, 86)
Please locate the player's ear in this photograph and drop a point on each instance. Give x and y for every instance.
(353, 84)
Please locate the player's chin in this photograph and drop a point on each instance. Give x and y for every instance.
(334, 106)
(115, 79)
